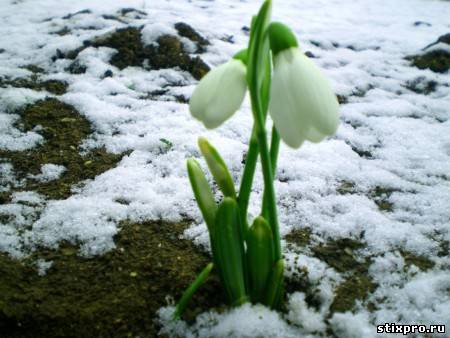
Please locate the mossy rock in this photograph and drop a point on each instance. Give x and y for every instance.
(381, 196)
(437, 60)
(114, 295)
(421, 85)
(421, 262)
(346, 187)
(52, 86)
(188, 32)
(355, 287)
(169, 53)
(341, 255)
(63, 129)
(300, 237)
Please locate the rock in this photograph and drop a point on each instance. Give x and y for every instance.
(108, 73)
(422, 23)
(434, 58)
(76, 68)
(421, 85)
(188, 32)
(71, 15)
(168, 53)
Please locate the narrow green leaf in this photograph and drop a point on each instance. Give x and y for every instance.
(274, 291)
(202, 193)
(230, 251)
(217, 167)
(260, 257)
(258, 47)
(187, 295)
(205, 201)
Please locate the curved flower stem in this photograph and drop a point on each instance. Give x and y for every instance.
(247, 177)
(274, 148)
(267, 171)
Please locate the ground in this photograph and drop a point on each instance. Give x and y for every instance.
(99, 231)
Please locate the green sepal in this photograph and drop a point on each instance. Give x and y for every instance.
(241, 56)
(281, 37)
(274, 290)
(217, 167)
(260, 257)
(189, 292)
(230, 253)
(202, 193)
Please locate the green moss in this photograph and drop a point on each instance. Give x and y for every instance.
(437, 60)
(346, 187)
(354, 288)
(444, 249)
(34, 69)
(33, 82)
(300, 282)
(169, 52)
(380, 196)
(342, 99)
(421, 262)
(421, 85)
(340, 254)
(63, 31)
(362, 152)
(190, 33)
(114, 295)
(300, 237)
(64, 130)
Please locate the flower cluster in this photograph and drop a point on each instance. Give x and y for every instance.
(302, 103)
(284, 83)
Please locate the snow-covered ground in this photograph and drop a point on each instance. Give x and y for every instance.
(391, 139)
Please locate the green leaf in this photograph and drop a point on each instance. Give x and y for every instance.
(202, 193)
(217, 167)
(258, 47)
(187, 295)
(260, 257)
(205, 201)
(274, 291)
(230, 251)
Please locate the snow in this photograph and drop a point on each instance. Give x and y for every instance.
(43, 266)
(361, 45)
(49, 172)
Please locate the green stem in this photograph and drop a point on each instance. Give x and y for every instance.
(274, 148)
(267, 171)
(247, 177)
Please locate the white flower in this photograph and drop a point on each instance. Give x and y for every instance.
(219, 94)
(303, 105)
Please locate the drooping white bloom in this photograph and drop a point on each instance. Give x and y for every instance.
(303, 105)
(219, 94)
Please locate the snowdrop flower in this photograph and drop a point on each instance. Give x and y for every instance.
(220, 93)
(303, 105)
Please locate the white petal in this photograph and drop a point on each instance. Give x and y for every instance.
(283, 109)
(219, 94)
(315, 94)
(303, 105)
